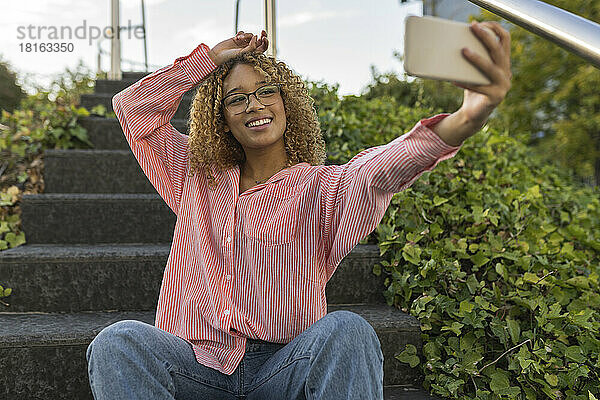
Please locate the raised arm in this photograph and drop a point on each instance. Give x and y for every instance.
(355, 196)
(145, 109)
(480, 100)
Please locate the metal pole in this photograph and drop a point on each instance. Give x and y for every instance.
(237, 17)
(144, 28)
(115, 43)
(572, 32)
(270, 18)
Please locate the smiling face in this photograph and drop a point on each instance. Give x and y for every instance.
(267, 136)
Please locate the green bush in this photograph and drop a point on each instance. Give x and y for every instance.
(421, 93)
(11, 92)
(353, 123)
(498, 257)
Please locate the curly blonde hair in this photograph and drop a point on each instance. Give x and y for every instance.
(212, 148)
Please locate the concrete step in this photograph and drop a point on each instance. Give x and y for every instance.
(96, 218)
(104, 86)
(90, 100)
(43, 355)
(112, 87)
(94, 171)
(408, 392)
(135, 75)
(73, 278)
(107, 134)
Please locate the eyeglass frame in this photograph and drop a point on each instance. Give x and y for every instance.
(248, 97)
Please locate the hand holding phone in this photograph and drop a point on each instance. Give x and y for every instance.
(433, 49)
(474, 57)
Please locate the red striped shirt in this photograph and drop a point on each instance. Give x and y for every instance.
(255, 264)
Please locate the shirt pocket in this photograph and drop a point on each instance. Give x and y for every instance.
(272, 217)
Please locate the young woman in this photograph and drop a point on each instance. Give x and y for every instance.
(261, 227)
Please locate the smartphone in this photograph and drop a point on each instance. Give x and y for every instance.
(432, 50)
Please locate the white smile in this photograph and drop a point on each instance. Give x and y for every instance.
(259, 122)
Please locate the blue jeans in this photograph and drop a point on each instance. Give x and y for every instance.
(338, 357)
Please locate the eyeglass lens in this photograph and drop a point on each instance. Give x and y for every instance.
(238, 102)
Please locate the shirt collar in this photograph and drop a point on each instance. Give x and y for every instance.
(234, 175)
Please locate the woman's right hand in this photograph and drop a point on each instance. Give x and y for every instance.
(239, 44)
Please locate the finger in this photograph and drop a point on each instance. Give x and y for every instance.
(499, 30)
(489, 40)
(482, 89)
(251, 45)
(503, 36)
(263, 36)
(263, 46)
(488, 68)
(241, 39)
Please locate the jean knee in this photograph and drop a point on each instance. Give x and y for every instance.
(352, 322)
(114, 335)
(352, 328)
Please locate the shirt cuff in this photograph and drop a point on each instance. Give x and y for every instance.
(424, 146)
(197, 64)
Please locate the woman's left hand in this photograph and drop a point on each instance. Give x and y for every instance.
(480, 100)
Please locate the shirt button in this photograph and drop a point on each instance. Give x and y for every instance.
(226, 312)
(228, 239)
(228, 277)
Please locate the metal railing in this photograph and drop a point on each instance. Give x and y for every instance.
(270, 25)
(572, 32)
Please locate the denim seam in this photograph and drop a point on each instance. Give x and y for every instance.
(198, 379)
(169, 367)
(279, 370)
(241, 377)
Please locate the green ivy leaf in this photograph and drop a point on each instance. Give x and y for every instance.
(479, 259)
(470, 361)
(472, 284)
(83, 112)
(499, 382)
(15, 240)
(514, 330)
(455, 327)
(465, 308)
(409, 356)
(412, 254)
(377, 269)
(530, 278)
(437, 200)
(551, 379)
(579, 281)
(574, 353)
(501, 270)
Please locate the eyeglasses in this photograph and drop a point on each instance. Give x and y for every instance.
(236, 103)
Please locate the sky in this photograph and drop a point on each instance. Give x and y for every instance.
(335, 41)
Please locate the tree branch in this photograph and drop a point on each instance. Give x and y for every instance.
(502, 355)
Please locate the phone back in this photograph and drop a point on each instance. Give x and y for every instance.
(432, 49)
